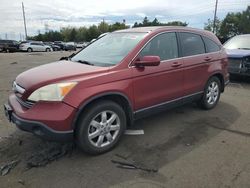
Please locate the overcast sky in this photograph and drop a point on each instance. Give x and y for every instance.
(60, 13)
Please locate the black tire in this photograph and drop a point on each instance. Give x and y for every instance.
(204, 102)
(83, 129)
(47, 50)
(29, 50)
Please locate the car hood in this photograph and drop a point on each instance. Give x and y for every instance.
(237, 53)
(56, 72)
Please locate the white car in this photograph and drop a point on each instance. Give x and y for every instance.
(35, 47)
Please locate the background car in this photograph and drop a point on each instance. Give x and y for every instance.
(9, 45)
(53, 46)
(80, 45)
(61, 44)
(70, 46)
(238, 50)
(35, 46)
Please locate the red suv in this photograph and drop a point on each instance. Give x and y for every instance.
(93, 96)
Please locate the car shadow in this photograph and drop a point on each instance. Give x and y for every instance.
(240, 79)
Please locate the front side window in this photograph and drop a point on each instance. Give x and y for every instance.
(211, 46)
(191, 44)
(110, 49)
(164, 45)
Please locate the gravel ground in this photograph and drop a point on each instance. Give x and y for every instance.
(189, 147)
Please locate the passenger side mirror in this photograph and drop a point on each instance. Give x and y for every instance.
(148, 61)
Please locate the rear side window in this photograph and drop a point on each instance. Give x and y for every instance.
(191, 44)
(164, 45)
(211, 46)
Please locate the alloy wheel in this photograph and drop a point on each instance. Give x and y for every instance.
(104, 128)
(212, 93)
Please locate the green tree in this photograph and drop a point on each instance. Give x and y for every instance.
(155, 22)
(103, 27)
(92, 33)
(146, 22)
(72, 36)
(176, 23)
(117, 26)
(236, 23)
(210, 24)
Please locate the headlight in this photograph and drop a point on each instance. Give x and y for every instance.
(53, 92)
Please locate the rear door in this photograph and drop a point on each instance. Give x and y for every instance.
(159, 84)
(34, 46)
(40, 47)
(195, 61)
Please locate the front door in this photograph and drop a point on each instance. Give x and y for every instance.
(161, 84)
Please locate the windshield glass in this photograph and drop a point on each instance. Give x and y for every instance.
(238, 42)
(110, 49)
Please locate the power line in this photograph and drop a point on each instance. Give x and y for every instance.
(24, 22)
(215, 15)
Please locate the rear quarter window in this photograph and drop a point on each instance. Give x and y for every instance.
(211, 46)
(191, 44)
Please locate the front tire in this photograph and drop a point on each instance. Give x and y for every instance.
(100, 127)
(211, 94)
(47, 50)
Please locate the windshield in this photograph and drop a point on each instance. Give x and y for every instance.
(238, 42)
(110, 49)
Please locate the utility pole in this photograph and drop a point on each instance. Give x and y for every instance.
(215, 16)
(24, 22)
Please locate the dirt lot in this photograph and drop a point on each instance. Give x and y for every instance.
(189, 147)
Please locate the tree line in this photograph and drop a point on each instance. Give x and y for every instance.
(235, 23)
(87, 34)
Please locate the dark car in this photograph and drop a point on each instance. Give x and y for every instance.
(121, 77)
(9, 45)
(69, 46)
(61, 44)
(53, 46)
(238, 50)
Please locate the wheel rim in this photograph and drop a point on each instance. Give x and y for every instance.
(104, 129)
(212, 93)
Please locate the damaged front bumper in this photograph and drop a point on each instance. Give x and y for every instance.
(239, 67)
(37, 128)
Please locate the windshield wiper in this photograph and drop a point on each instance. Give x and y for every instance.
(85, 62)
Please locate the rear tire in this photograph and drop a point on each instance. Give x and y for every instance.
(211, 94)
(29, 50)
(98, 133)
(47, 50)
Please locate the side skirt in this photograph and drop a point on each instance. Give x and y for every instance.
(144, 112)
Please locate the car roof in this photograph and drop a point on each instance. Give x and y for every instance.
(158, 29)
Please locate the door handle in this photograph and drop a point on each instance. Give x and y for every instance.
(207, 58)
(176, 64)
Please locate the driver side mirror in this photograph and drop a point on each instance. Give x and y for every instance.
(148, 61)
